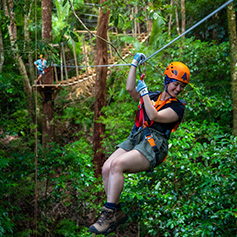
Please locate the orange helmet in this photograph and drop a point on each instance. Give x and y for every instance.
(178, 71)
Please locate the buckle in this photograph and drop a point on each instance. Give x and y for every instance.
(149, 137)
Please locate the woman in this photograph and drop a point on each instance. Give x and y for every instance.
(147, 145)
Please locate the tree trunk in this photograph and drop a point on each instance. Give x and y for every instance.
(48, 103)
(183, 16)
(150, 21)
(1, 51)
(1, 47)
(100, 89)
(27, 40)
(8, 9)
(177, 16)
(170, 19)
(233, 61)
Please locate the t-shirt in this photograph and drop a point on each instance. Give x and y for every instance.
(40, 65)
(177, 106)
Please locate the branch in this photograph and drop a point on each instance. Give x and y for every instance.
(93, 33)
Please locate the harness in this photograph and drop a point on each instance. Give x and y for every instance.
(141, 122)
(46, 69)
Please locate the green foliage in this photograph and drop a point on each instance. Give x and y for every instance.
(65, 180)
(11, 93)
(119, 115)
(210, 93)
(193, 192)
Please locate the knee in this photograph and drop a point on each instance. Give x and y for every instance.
(116, 166)
(105, 170)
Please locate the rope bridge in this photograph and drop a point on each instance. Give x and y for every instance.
(90, 74)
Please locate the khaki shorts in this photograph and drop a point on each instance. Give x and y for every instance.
(138, 142)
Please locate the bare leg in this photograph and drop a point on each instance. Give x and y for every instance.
(106, 167)
(38, 79)
(129, 162)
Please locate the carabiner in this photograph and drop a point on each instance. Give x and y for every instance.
(142, 74)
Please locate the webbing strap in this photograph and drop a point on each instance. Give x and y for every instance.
(140, 120)
(149, 137)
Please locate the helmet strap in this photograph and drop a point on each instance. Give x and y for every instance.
(166, 90)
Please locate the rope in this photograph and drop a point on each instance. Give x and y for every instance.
(36, 164)
(36, 136)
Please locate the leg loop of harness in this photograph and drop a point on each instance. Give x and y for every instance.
(149, 137)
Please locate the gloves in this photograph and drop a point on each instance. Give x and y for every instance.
(142, 88)
(138, 58)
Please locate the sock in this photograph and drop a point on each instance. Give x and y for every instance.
(112, 206)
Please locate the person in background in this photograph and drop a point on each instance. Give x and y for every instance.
(158, 114)
(41, 66)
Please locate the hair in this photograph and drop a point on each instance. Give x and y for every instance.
(168, 80)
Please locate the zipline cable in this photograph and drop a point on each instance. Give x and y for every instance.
(112, 65)
(191, 28)
(109, 65)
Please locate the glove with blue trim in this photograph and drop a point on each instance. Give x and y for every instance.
(142, 88)
(138, 58)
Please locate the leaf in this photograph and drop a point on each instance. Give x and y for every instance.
(157, 185)
(74, 36)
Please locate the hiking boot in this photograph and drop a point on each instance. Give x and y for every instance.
(108, 221)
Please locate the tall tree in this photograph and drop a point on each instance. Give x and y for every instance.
(183, 16)
(170, 18)
(177, 16)
(1, 51)
(1, 42)
(47, 92)
(233, 60)
(27, 12)
(100, 89)
(12, 29)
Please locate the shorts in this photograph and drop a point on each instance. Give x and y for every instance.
(40, 72)
(138, 142)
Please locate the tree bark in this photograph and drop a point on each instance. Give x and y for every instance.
(1, 51)
(27, 40)
(48, 97)
(177, 16)
(100, 90)
(233, 61)
(150, 21)
(8, 9)
(1, 46)
(170, 19)
(183, 16)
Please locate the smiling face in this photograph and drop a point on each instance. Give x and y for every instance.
(175, 88)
